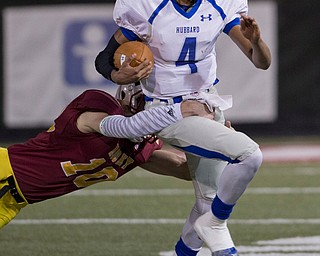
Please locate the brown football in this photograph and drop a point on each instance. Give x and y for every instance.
(125, 50)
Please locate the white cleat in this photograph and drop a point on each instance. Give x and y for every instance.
(215, 233)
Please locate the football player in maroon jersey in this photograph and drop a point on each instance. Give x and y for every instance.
(76, 151)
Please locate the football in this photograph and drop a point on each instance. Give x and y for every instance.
(125, 50)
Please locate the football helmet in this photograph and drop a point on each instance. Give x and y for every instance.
(131, 97)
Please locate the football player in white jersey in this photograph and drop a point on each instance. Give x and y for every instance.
(182, 36)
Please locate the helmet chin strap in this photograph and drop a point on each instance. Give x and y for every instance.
(126, 110)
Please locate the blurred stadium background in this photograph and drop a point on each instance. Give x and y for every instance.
(48, 49)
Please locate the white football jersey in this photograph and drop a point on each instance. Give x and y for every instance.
(183, 43)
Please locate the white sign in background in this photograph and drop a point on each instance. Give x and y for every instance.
(255, 91)
(49, 54)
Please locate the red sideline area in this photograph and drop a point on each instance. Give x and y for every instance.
(291, 153)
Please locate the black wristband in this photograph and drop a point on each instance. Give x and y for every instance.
(104, 61)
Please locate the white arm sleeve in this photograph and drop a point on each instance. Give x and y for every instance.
(141, 124)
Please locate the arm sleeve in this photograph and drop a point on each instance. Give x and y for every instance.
(104, 61)
(144, 123)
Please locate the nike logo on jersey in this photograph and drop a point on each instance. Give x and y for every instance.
(203, 18)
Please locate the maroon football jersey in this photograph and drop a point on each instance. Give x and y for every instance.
(63, 159)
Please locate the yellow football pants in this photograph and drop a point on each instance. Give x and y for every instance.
(9, 207)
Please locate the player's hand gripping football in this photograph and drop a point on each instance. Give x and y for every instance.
(250, 29)
(128, 74)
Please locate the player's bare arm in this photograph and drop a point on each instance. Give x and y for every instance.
(167, 162)
(119, 37)
(248, 38)
(163, 162)
(89, 121)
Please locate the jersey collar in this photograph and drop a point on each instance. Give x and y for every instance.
(191, 12)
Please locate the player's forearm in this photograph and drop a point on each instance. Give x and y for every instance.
(261, 55)
(142, 124)
(165, 162)
(104, 61)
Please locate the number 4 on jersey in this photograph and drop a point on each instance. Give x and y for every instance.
(188, 54)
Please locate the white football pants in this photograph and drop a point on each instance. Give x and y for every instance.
(209, 146)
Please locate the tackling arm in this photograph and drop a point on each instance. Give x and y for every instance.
(167, 162)
(152, 120)
(144, 123)
(140, 124)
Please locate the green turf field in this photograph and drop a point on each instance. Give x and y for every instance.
(142, 215)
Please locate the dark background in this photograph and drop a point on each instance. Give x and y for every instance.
(298, 72)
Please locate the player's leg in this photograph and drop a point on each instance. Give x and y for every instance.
(212, 226)
(189, 243)
(9, 207)
(205, 174)
(217, 141)
(209, 139)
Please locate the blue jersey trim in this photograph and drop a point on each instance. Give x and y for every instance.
(231, 24)
(129, 34)
(157, 10)
(188, 14)
(207, 153)
(218, 8)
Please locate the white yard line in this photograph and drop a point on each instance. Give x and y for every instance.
(181, 192)
(156, 221)
(297, 246)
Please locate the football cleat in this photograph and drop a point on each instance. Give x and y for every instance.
(227, 252)
(215, 233)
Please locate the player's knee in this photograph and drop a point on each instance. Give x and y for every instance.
(254, 160)
(247, 148)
